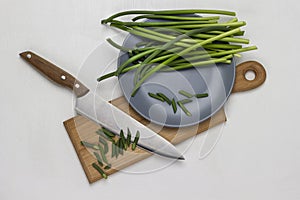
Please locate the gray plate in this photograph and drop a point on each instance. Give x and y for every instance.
(216, 80)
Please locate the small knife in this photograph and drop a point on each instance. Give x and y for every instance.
(100, 111)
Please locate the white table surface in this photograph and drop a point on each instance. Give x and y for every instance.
(257, 156)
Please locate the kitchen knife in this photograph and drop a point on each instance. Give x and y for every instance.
(100, 111)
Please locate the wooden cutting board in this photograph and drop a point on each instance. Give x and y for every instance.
(80, 128)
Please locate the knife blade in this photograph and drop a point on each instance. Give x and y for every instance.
(100, 111)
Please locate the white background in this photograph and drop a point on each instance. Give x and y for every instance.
(257, 157)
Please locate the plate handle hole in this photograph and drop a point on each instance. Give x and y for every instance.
(250, 75)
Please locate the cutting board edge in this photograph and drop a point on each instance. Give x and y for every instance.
(219, 118)
(70, 127)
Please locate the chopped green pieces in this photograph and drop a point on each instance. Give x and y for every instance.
(108, 133)
(185, 110)
(119, 145)
(165, 98)
(89, 145)
(201, 95)
(103, 141)
(113, 150)
(107, 167)
(136, 139)
(98, 159)
(103, 174)
(185, 93)
(103, 154)
(128, 139)
(174, 106)
(184, 101)
(123, 140)
(162, 97)
(101, 133)
(155, 96)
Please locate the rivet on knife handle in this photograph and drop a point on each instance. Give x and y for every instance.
(55, 73)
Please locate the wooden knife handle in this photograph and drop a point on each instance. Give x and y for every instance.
(242, 83)
(55, 73)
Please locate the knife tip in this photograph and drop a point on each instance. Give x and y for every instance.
(181, 158)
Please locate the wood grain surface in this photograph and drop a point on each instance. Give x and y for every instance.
(55, 73)
(241, 83)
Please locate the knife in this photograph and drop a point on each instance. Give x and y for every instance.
(100, 111)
